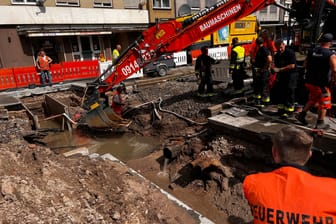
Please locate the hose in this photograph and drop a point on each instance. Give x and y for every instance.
(159, 101)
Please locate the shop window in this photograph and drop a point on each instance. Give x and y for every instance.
(74, 44)
(102, 3)
(161, 4)
(95, 43)
(67, 2)
(28, 2)
(131, 4)
(194, 4)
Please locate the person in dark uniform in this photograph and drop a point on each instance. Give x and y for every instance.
(319, 63)
(262, 64)
(285, 67)
(237, 65)
(203, 72)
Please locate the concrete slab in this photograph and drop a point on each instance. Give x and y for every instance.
(261, 127)
(8, 100)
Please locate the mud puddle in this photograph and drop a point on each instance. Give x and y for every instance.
(125, 147)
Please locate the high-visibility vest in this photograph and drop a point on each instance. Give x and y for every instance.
(240, 51)
(115, 54)
(291, 195)
(43, 63)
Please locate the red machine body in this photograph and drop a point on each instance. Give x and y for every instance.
(173, 36)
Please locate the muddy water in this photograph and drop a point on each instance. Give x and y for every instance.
(124, 146)
(127, 146)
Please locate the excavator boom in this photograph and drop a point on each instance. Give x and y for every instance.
(165, 37)
(173, 36)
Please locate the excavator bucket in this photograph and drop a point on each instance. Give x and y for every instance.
(106, 118)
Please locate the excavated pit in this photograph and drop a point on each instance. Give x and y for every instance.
(200, 166)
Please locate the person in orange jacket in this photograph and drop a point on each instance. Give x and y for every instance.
(43, 64)
(117, 101)
(290, 194)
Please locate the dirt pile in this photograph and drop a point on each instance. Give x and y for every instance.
(39, 185)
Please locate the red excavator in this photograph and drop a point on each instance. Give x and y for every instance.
(172, 36)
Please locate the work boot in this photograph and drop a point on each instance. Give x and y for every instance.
(284, 116)
(302, 118)
(322, 125)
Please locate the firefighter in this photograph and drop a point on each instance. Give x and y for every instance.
(117, 101)
(285, 67)
(262, 65)
(267, 42)
(237, 65)
(319, 63)
(290, 192)
(203, 72)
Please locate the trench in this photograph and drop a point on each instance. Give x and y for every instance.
(130, 148)
(126, 147)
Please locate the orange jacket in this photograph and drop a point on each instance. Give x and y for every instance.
(43, 63)
(117, 103)
(291, 195)
(267, 43)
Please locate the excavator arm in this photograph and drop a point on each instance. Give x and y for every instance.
(173, 36)
(165, 37)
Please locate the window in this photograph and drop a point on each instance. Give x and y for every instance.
(24, 2)
(209, 3)
(264, 10)
(131, 4)
(67, 2)
(102, 3)
(240, 25)
(194, 4)
(161, 4)
(273, 9)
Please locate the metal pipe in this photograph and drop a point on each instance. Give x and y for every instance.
(171, 152)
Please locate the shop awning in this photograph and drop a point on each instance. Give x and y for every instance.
(74, 30)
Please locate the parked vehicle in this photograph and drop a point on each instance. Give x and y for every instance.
(160, 66)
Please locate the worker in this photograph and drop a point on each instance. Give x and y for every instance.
(117, 101)
(262, 64)
(116, 53)
(203, 72)
(43, 64)
(285, 67)
(237, 65)
(290, 194)
(319, 63)
(268, 43)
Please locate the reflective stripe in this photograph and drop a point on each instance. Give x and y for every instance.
(257, 96)
(240, 56)
(266, 100)
(289, 109)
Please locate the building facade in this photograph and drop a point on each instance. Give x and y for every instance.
(67, 30)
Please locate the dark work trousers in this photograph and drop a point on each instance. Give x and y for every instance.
(260, 84)
(206, 79)
(286, 88)
(238, 78)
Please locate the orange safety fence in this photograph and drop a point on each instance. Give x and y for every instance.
(7, 79)
(25, 76)
(80, 69)
(57, 73)
(21, 77)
